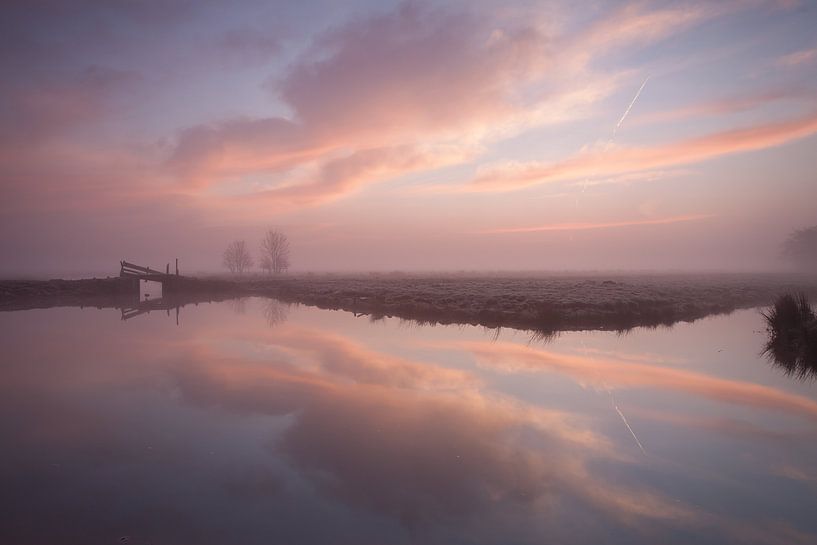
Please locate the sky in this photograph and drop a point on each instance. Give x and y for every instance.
(408, 135)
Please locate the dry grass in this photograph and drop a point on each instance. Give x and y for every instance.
(541, 303)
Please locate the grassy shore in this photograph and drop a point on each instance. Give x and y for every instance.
(112, 292)
(544, 303)
(537, 302)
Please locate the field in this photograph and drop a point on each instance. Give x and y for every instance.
(542, 303)
(536, 302)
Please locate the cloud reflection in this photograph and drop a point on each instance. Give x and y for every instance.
(602, 372)
(389, 443)
(310, 418)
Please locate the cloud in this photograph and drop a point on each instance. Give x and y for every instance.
(336, 177)
(798, 58)
(51, 106)
(414, 78)
(340, 356)
(257, 416)
(404, 81)
(637, 23)
(248, 45)
(726, 105)
(207, 153)
(635, 177)
(357, 411)
(387, 94)
(612, 160)
(604, 373)
(597, 225)
(414, 70)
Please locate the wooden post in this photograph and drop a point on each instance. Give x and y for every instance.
(177, 266)
(167, 269)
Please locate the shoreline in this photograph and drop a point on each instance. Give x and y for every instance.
(541, 303)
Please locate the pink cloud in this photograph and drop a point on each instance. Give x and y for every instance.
(413, 79)
(53, 106)
(798, 58)
(417, 69)
(602, 373)
(337, 177)
(206, 154)
(618, 160)
(386, 82)
(597, 225)
(727, 105)
(335, 386)
(635, 23)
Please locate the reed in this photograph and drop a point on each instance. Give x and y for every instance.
(792, 327)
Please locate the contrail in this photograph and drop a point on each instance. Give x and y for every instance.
(623, 419)
(630, 107)
(618, 125)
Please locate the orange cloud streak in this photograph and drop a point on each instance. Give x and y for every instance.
(612, 160)
(587, 226)
(604, 373)
(726, 105)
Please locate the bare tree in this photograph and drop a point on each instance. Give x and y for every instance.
(275, 252)
(236, 257)
(801, 248)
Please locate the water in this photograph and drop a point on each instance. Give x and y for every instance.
(251, 422)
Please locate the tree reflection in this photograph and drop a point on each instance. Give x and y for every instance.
(792, 344)
(238, 305)
(275, 312)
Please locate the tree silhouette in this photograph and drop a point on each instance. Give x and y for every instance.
(801, 248)
(275, 252)
(236, 257)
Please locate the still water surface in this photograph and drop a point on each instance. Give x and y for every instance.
(252, 423)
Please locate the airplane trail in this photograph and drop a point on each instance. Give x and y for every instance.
(623, 419)
(618, 125)
(630, 107)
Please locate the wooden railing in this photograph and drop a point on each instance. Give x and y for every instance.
(131, 269)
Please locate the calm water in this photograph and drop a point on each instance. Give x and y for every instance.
(251, 422)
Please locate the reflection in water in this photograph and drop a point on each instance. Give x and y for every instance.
(275, 312)
(238, 305)
(326, 428)
(792, 327)
(604, 372)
